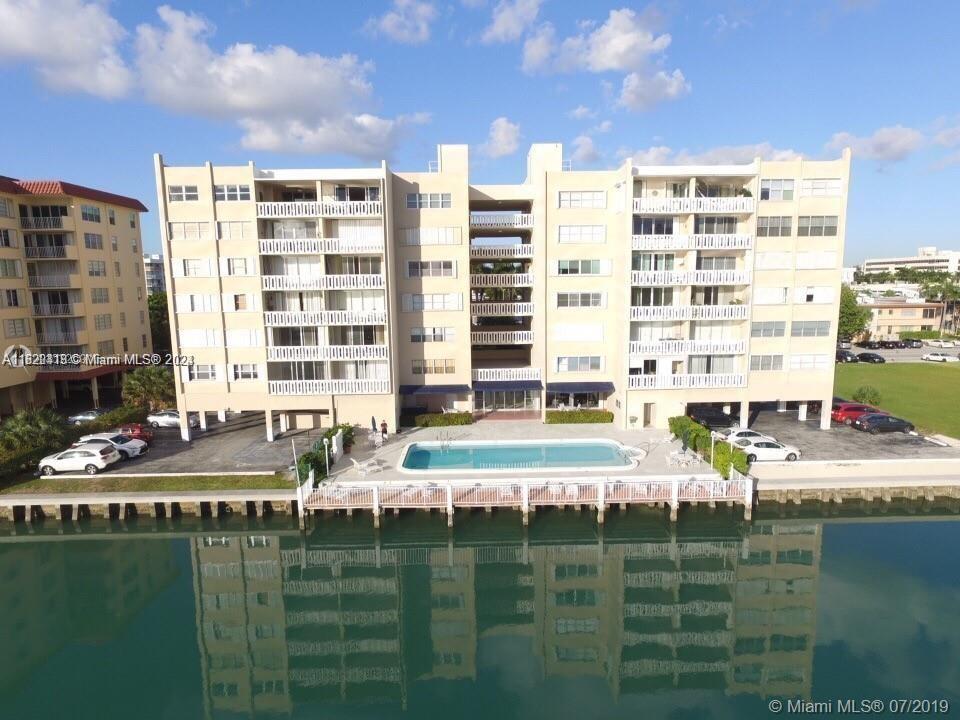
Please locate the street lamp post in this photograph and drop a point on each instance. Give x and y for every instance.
(326, 453)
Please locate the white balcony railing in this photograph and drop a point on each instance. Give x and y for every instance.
(280, 318)
(480, 252)
(353, 245)
(694, 205)
(327, 352)
(304, 246)
(323, 282)
(501, 280)
(45, 251)
(42, 281)
(501, 221)
(321, 208)
(674, 382)
(56, 339)
(690, 312)
(56, 309)
(517, 373)
(690, 277)
(502, 337)
(693, 242)
(685, 347)
(328, 387)
(41, 223)
(501, 309)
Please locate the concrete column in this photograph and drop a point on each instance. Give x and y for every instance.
(825, 413)
(203, 419)
(53, 393)
(95, 391)
(269, 422)
(802, 412)
(221, 415)
(184, 425)
(283, 422)
(744, 414)
(781, 405)
(66, 389)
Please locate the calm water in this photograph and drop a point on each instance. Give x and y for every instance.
(711, 622)
(558, 454)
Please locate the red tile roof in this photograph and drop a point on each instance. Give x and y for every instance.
(58, 187)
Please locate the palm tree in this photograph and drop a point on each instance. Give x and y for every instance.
(31, 429)
(150, 387)
(943, 289)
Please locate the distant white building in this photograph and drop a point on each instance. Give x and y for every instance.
(927, 258)
(846, 275)
(153, 273)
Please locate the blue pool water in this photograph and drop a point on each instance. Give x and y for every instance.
(510, 456)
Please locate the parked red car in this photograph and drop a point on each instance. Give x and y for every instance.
(138, 431)
(847, 412)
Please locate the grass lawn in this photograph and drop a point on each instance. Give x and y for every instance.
(926, 394)
(106, 483)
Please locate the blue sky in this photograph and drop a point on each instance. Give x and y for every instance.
(94, 88)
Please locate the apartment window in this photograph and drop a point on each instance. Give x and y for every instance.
(143, 340)
(592, 199)
(90, 213)
(111, 216)
(431, 236)
(423, 201)
(582, 234)
(133, 245)
(126, 345)
(181, 193)
(247, 337)
(820, 187)
(105, 347)
(99, 295)
(113, 243)
(432, 301)
(820, 294)
(810, 328)
(139, 293)
(133, 220)
(237, 266)
(223, 193)
(580, 267)
(6, 208)
(16, 328)
(195, 268)
(773, 261)
(103, 322)
(120, 294)
(123, 320)
(431, 334)
(136, 267)
(809, 362)
(96, 268)
(770, 328)
(776, 189)
(116, 268)
(770, 296)
(816, 260)
(239, 302)
(774, 226)
(10, 268)
(201, 372)
(578, 626)
(579, 597)
(434, 367)
(717, 262)
(202, 337)
(652, 297)
(579, 363)
(579, 300)
(766, 362)
(235, 230)
(12, 298)
(189, 230)
(8, 238)
(711, 225)
(929, 313)
(652, 225)
(816, 225)
(245, 371)
(430, 268)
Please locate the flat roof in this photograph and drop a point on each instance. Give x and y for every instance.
(699, 170)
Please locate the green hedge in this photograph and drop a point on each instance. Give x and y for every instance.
(925, 335)
(443, 419)
(568, 417)
(698, 439)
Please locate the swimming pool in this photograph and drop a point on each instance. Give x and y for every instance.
(495, 456)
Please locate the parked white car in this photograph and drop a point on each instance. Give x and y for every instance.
(940, 357)
(127, 446)
(171, 419)
(736, 433)
(90, 459)
(941, 343)
(759, 449)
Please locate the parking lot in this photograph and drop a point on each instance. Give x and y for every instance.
(842, 442)
(908, 355)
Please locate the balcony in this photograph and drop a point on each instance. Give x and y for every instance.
(45, 251)
(327, 352)
(303, 246)
(52, 281)
(55, 310)
(500, 252)
(675, 382)
(323, 282)
(501, 309)
(515, 373)
(328, 387)
(686, 347)
(41, 223)
(371, 245)
(501, 280)
(322, 208)
(693, 242)
(680, 206)
(690, 277)
(501, 221)
(690, 312)
(294, 318)
(502, 337)
(58, 338)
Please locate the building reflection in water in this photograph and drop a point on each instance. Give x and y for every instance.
(281, 622)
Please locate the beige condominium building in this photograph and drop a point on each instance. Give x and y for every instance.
(889, 318)
(927, 258)
(356, 294)
(71, 283)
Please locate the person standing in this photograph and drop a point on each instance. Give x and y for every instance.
(383, 429)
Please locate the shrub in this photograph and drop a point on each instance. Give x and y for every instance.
(15, 462)
(348, 431)
(695, 435)
(867, 394)
(443, 419)
(924, 335)
(569, 417)
(697, 438)
(312, 460)
(722, 458)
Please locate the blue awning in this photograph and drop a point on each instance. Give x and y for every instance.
(489, 385)
(580, 387)
(434, 389)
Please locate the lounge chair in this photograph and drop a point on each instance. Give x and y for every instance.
(367, 466)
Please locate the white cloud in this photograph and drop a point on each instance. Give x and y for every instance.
(408, 22)
(724, 154)
(510, 19)
(581, 112)
(642, 92)
(654, 155)
(888, 144)
(603, 127)
(584, 151)
(538, 48)
(948, 137)
(366, 136)
(504, 138)
(73, 44)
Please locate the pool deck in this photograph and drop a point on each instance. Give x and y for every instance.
(658, 444)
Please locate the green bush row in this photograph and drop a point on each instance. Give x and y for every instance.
(697, 437)
(443, 419)
(568, 417)
(925, 335)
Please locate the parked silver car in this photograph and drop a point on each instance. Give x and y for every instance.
(171, 419)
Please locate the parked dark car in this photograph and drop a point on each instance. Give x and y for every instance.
(893, 344)
(870, 358)
(877, 423)
(914, 343)
(870, 344)
(845, 356)
(711, 418)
